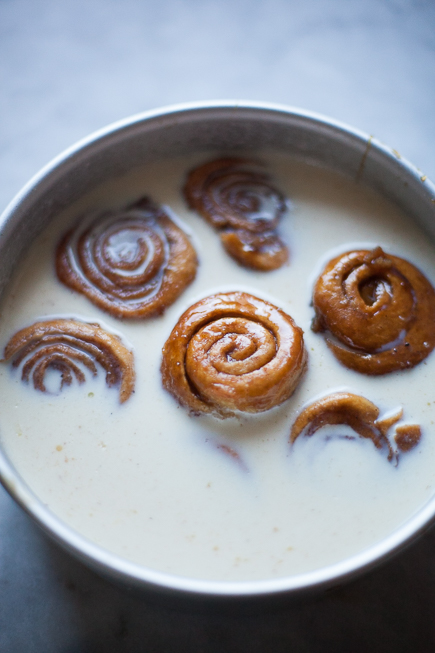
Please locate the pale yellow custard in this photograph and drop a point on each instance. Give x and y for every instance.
(201, 497)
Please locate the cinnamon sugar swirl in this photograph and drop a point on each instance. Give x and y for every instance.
(379, 308)
(233, 352)
(132, 263)
(240, 201)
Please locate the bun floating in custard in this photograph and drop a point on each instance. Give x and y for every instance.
(378, 309)
(237, 198)
(233, 352)
(71, 347)
(362, 416)
(131, 263)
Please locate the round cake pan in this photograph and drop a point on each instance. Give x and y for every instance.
(230, 127)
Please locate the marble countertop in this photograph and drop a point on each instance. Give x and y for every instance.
(69, 67)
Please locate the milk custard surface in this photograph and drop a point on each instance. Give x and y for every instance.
(201, 497)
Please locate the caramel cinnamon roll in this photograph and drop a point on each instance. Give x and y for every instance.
(350, 409)
(379, 308)
(233, 352)
(239, 199)
(132, 263)
(71, 348)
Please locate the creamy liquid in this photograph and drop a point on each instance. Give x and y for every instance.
(154, 485)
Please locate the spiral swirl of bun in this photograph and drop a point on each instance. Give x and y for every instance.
(233, 352)
(132, 263)
(379, 307)
(71, 348)
(239, 200)
(346, 408)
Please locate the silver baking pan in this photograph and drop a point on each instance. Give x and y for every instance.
(178, 130)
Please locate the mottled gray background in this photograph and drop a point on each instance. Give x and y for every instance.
(68, 67)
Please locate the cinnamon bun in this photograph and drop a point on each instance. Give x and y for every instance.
(71, 347)
(345, 408)
(240, 201)
(379, 310)
(362, 416)
(233, 352)
(132, 263)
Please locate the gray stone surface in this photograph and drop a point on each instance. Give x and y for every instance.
(68, 67)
